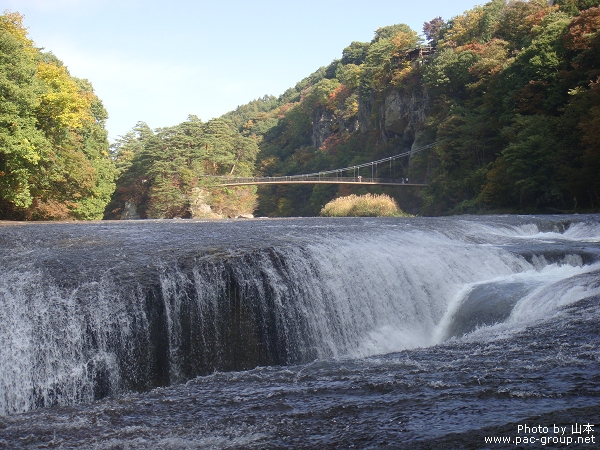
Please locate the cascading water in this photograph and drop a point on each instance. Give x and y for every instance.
(103, 309)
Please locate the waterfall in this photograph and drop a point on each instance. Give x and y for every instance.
(86, 323)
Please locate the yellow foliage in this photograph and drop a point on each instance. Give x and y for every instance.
(12, 22)
(234, 201)
(400, 74)
(403, 41)
(63, 103)
(29, 152)
(464, 28)
(350, 107)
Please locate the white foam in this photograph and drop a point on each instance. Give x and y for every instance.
(551, 288)
(562, 286)
(340, 296)
(389, 294)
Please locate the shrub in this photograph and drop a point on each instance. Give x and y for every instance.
(368, 205)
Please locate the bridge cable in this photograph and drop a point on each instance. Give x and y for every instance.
(355, 167)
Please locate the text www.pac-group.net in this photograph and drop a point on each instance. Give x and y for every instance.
(576, 434)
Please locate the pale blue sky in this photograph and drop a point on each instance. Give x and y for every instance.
(159, 61)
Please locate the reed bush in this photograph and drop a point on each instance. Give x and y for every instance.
(368, 205)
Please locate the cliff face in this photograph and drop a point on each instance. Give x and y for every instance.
(396, 114)
(323, 125)
(403, 114)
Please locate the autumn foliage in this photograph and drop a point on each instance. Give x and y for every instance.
(509, 90)
(54, 155)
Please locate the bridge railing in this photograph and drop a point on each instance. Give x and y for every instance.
(338, 174)
(312, 179)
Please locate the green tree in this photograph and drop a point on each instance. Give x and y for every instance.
(531, 162)
(163, 173)
(355, 53)
(22, 145)
(449, 74)
(54, 160)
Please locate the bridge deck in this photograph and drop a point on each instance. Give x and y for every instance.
(316, 180)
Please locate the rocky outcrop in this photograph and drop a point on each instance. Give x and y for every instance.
(397, 114)
(403, 113)
(326, 123)
(129, 211)
(323, 126)
(199, 205)
(366, 120)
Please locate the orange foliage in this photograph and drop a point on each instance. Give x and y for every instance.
(530, 99)
(537, 18)
(283, 109)
(482, 49)
(493, 55)
(49, 210)
(339, 96)
(583, 29)
(475, 47)
(330, 144)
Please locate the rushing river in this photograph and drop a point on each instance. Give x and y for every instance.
(299, 333)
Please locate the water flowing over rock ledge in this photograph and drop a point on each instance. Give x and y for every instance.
(90, 310)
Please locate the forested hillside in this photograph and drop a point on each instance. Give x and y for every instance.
(167, 173)
(54, 154)
(510, 88)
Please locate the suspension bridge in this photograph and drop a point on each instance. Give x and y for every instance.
(366, 173)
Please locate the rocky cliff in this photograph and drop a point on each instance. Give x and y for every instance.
(395, 114)
(403, 114)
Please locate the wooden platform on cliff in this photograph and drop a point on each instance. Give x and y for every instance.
(418, 53)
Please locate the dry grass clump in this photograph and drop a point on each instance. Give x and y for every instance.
(368, 205)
